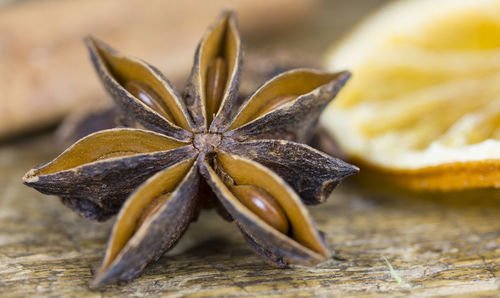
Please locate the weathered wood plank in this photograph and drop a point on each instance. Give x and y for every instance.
(437, 244)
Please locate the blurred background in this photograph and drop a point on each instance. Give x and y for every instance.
(46, 74)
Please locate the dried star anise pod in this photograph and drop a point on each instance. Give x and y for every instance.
(247, 154)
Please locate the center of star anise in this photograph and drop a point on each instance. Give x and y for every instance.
(206, 142)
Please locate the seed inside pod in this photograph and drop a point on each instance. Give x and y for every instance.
(149, 97)
(214, 85)
(263, 205)
(152, 209)
(275, 103)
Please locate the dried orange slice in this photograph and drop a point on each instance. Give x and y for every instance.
(423, 105)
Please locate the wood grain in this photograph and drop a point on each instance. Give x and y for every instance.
(438, 244)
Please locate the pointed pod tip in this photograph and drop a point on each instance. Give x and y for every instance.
(349, 170)
(95, 284)
(326, 254)
(88, 38)
(345, 75)
(340, 78)
(90, 41)
(353, 169)
(337, 79)
(343, 170)
(30, 177)
(227, 15)
(99, 280)
(93, 42)
(228, 12)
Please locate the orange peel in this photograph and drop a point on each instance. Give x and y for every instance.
(423, 106)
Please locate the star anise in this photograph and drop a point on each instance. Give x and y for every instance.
(247, 154)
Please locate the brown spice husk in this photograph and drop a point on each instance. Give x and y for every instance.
(208, 148)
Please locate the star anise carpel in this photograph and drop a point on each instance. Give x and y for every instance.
(179, 154)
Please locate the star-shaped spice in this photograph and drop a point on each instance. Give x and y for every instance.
(202, 150)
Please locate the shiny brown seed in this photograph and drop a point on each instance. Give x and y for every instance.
(275, 103)
(152, 209)
(263, 205)
(149, 97)
(214, 86)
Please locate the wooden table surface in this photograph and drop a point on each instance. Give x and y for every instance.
(435, 244)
